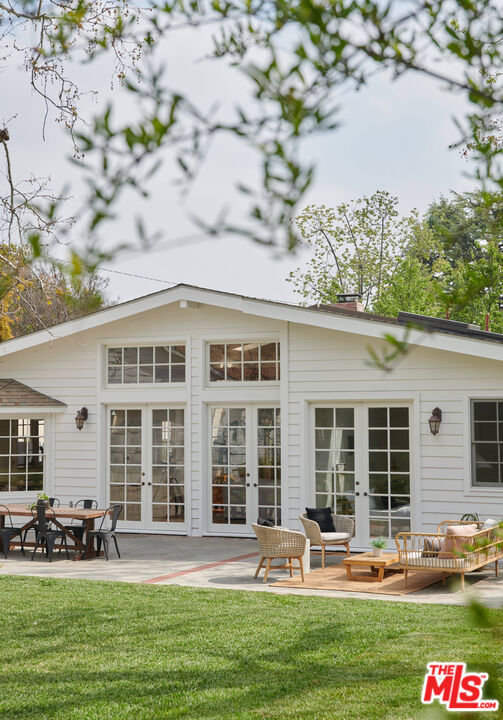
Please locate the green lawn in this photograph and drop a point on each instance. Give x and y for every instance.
(78, 649)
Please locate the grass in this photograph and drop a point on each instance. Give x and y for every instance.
(78, 650)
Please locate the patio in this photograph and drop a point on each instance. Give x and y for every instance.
(222, 563)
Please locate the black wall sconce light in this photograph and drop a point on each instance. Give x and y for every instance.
(81, 417)
(435, 420)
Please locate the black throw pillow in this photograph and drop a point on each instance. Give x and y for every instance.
(323, 516)
(265, 522)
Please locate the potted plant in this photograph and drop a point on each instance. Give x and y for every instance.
(43, 499)
(378, 544)
(470, 517)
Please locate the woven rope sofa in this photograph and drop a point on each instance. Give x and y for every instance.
(449, 553)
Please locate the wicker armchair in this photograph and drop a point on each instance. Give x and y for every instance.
(344, 530)
(279, 543)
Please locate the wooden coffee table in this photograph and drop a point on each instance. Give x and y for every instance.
(378, 566)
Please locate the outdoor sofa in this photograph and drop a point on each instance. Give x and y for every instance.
(456, 547)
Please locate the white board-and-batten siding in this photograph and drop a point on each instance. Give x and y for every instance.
(317, 366)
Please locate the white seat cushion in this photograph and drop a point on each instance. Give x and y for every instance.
(489, 523)
(334, 536)
(412, 556)
(418, 559)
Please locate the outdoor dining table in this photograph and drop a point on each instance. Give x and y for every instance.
(60, 513)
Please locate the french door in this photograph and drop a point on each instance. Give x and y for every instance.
(146, 466)
(244, 467)
(362, 466)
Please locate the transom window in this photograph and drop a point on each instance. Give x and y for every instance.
(487, 443)
(244, 362)
(152, 364)
(21, 454)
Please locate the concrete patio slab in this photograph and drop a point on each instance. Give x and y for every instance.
(221, 563)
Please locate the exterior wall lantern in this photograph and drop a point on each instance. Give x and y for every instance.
(435, 420)
(81, 417)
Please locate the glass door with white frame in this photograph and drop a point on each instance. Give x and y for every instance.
(267, 470)
(362, 467)
(388, 471)
(335, 481)
(126, 465)
(146, 466)
(244, 467)
(229, 469)
(166, 494)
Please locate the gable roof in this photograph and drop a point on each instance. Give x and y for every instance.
(16, 394)
(322, 316)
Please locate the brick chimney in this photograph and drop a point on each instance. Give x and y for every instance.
(350, 302)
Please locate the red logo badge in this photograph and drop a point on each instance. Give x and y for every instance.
(450, 684)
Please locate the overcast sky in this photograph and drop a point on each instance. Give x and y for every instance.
(394, 136)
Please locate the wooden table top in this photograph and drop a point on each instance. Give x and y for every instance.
(368, 558)
(60, 512)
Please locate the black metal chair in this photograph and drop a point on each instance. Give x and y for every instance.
(44, 533)
(103, 535)
(7, 533)
(53, 502)
(79, 530)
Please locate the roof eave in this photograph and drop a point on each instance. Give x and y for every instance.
(330, 320)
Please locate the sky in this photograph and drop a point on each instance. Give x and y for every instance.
(393, 135)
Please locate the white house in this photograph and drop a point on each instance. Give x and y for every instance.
(208, 409)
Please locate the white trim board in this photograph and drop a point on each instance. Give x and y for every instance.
(27, 410)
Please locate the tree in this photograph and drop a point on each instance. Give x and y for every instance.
(415, 282)
(456, 231)
(473, 289)
(466, 259)
(56, 299)
(42, 295)
(460, 224)
(356, 246)
(447, 263)
(411, 288)
(26, 229)
(296, 58)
